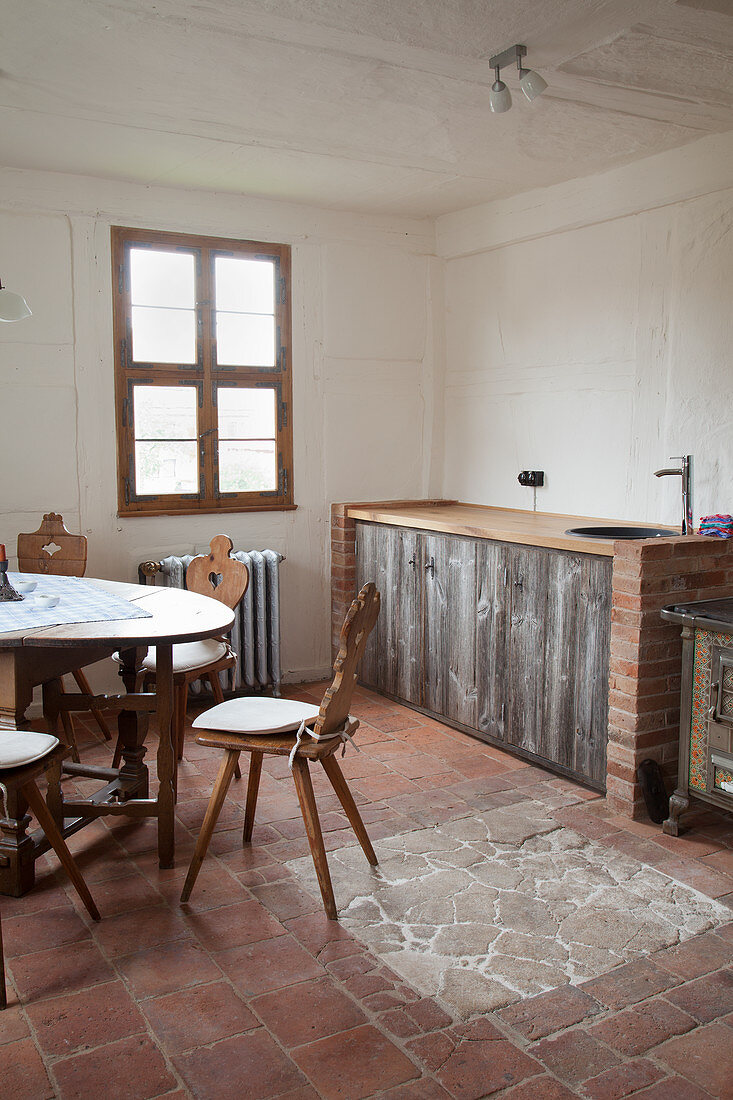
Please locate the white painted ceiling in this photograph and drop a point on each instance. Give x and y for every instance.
(367, 105)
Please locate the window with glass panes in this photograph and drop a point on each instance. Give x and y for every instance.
(203, 373)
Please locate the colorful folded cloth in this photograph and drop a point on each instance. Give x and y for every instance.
(719, 526)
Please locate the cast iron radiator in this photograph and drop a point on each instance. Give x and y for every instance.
(255, 635)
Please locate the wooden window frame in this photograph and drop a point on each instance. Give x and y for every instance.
(204, 374)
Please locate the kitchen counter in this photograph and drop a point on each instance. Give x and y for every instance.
(501, 524)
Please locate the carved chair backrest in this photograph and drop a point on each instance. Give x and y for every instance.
(358, 624)
(218, 575)
(52, 549)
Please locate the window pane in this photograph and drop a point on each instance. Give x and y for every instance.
(245, 340)
(166, 439)
(163, 335)
(244, 286)
(162, 278)
(247, 467)
(246, 413)
(165, 412)
(165, 466)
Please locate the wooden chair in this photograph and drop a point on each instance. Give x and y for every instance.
(262, 725)
(23, 757)
(223, 578)
(55, 551)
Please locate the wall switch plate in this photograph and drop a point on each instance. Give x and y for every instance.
(533, 478)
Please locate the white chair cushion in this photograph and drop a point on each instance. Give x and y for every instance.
(256, 714)
(188, 656)
(24, 746)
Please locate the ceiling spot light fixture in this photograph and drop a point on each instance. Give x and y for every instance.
(530, 82)
(12, 306)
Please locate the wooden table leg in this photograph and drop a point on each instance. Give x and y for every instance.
(167, 755)
(17, 850)
(133, 729)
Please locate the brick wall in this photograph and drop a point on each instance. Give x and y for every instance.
(643, 719)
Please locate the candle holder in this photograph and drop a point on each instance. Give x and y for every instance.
(7, 592)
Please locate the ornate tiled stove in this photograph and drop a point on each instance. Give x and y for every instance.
(706, 707)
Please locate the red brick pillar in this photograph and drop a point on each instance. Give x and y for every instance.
(343, 568)
(643, 719)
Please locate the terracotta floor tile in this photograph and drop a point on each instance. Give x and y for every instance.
(720, 861)
(638, 1029)
(128, 933)
(286, 900)
(706, 998)
(122, 895)
(59, 970)
(697, 956)
(214, 885)
(268, 964)
(315, 930)
(308, 1011)
(250, 1065)
(167, 968)
(536, 1017)
(23, 1076)
(623, 1080)
(198, 1016)
(12, 1022)
(479, 1068)
(673, 1088)
(424, 1089)
(354, 1064)
(703, 1057)
(134, 1065)
(627, 984)
(25, 934)
(695, 874)
(233, 925)
(85, 1019)
(574, 1056)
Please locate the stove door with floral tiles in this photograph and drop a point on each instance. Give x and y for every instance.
(711, 725)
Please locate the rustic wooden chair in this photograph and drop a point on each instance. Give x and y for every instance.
(55, 551)
(24, 756)
(262, 725)
(223, 578)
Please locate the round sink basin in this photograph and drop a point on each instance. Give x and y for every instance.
(619, 532)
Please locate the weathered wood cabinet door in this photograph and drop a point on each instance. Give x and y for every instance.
(449, 627)
(557, 702)
(493, 603)
(392, 660)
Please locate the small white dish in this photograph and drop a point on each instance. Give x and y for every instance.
(25, 587)
(47, 601)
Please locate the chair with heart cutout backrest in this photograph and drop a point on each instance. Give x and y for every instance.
(301, 731)
(223, 578)
(24, 755)
(55, 551)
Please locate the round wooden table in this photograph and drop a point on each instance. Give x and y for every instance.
(39, 656)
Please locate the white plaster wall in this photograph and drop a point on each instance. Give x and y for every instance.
(362, 355)
(593, 343)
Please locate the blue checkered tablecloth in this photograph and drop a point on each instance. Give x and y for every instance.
(81, 601)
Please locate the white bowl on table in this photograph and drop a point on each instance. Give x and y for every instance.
(47, 601)
(25, 586)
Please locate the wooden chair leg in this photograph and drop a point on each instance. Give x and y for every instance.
(3, 989)
(253, 786)
(309, 810)
(215, 684)
(345, 797)
(211, 817)
(85, 687)
(68, 727)
(57, 842)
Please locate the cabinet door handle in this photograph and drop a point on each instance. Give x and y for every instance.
(411, 562)
(714, 697)
(430, 567)
(519, 582)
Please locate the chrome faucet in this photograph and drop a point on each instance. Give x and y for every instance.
(685, 472)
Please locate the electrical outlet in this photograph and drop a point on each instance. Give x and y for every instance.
(533, 478)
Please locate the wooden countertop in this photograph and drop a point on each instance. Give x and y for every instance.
(501, 524)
